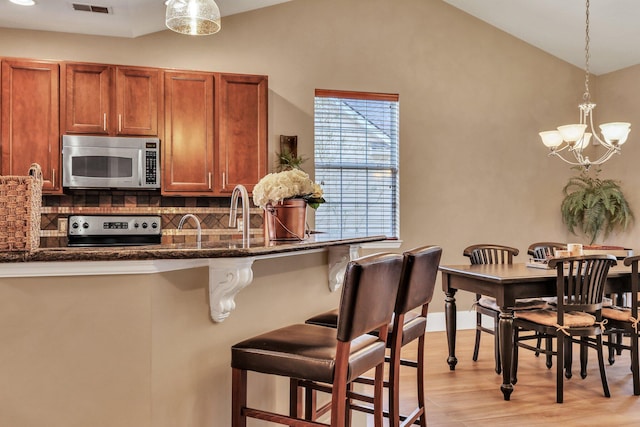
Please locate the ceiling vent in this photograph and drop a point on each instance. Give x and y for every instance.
(90, 8)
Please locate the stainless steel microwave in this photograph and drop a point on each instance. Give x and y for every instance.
(110, 162)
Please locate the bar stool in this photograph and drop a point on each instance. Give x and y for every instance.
(316, 354)
(417, 283)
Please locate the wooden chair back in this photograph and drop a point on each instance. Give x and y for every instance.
(548, 248)
(581, 281)
(490, 254)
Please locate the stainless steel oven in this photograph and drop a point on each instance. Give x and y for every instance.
(114, 230)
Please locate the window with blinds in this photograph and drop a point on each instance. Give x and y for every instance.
(356, 162)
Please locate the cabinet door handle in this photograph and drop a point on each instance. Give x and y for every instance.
(224, 180)
(104, 122)
(53, 178)
(209, 180)
(119, 122)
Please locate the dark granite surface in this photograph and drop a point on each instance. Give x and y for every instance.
(181, 251)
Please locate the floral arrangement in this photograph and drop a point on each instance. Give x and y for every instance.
(288, 184)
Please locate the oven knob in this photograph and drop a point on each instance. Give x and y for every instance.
(154, 225)
(85, 225)
(136, 225)
(144, 225)
(75, 225)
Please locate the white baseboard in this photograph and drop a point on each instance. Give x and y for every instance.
(464, 320)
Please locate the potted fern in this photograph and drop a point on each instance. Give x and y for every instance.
(594, 206)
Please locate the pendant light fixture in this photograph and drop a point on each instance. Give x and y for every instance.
(575, 138)
(193, 17)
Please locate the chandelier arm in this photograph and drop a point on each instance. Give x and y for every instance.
(557, 154)
(606, 156)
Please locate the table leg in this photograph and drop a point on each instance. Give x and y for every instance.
(450, 320)
(505, 329)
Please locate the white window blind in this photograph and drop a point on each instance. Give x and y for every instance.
(356, 162)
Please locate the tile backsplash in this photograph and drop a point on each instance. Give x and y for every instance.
(213, 213)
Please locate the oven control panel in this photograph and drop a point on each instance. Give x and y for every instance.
(94, 225)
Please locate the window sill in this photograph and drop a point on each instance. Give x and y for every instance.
(383, 244)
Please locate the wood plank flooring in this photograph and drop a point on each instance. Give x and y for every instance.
(470, 395)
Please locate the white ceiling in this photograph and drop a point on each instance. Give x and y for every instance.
(556, 26)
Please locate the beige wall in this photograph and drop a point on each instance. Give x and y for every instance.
(472, 100)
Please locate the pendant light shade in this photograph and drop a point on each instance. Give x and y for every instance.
(193, 17)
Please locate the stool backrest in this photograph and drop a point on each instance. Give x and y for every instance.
(490, 254)
(369, 294)
(418, 279)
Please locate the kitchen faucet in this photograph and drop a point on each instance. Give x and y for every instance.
(195, 218)
(233, 213)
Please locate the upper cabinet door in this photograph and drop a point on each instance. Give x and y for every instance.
(137, 101)
(103, 99)
(30, 120)
(242, 137)
(87, 106)
(187, 149)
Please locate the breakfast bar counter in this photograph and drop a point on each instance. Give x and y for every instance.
(229, 262)
(141, 335)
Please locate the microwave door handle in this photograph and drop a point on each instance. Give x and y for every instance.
(140, 167)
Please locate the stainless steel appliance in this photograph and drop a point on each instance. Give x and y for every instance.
(110, 162)
(96, 230)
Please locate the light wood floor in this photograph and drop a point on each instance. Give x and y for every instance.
(471, 396)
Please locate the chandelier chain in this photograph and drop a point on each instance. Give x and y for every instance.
(587, 57)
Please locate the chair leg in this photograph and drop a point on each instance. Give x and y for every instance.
(584, 355)
(549, 346)
(635, 368)
(514, 360)
(496, 342)
(611, 347)
(603, 374)
(238, 397)
(568, 357)
(476, 346)
(560, 366)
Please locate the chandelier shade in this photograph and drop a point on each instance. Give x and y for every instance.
(575, 138)
(193, 17)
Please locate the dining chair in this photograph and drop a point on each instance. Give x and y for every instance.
(484, 305)
(417, 284)
(314, 354)
(543, 250)
(577, 318)
(623, 321)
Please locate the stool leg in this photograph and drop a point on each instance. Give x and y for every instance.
(420, 382)
(295, 398)
(394, 373)
(238, 397)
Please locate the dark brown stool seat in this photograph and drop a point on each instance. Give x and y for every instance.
(328, 359)
(414, 325)
(305, 351)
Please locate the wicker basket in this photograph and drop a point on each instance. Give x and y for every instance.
(20, 201)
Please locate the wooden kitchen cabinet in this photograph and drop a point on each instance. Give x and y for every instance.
(30, 120)
(242, 131)
(188, 146)
(103, 99)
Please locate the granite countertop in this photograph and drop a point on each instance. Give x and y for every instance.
(228, 249)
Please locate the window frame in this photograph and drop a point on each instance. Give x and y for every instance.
(395, 152)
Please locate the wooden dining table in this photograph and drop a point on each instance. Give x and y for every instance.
(506, 283)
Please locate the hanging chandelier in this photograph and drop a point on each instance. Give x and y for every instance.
(193, 17)
(575, 138)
